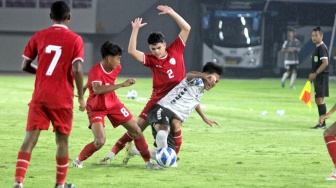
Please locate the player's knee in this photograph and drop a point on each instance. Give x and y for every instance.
(99, 142)
(136, 133)
(328, 132)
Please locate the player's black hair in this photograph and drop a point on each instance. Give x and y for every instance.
(155, 37)
(60, 10)
(291, 29)
(110, 48)
(211, 67)
(318, 29)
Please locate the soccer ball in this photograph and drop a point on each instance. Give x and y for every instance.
(165, 157)
(132, 94)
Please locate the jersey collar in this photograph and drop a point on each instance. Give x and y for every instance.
(60, 25)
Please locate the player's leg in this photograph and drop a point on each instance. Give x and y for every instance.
(140, 143)
(99, 140)
(177, 124)
(285, 76)
(293, 75)
(62, 158)
(61, 120)
(37, 120)
(24, 156)
(330, 140)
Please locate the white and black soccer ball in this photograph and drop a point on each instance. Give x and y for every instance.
(166, 157)
(131, 94)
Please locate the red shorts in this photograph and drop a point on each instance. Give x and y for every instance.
(148, 106)
(40, 116)
(117, 115)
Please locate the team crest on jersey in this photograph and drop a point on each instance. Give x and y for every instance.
(197, 81)
(172, 61)
(315, 59)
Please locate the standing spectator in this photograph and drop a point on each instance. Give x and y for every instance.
(320, 73)
(60, 59)
(291, 48)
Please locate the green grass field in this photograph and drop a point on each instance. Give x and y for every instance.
(247, 149)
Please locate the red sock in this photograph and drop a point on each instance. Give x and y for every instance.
(87, 151)
(22, 163)
(331, 146)
(62, 164)
(178, 140)
(120, 144)
(142, 146)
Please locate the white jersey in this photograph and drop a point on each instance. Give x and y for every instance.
(184, 97)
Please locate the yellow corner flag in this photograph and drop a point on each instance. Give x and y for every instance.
(306, 94)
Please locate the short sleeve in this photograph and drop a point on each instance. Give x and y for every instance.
(30, 51)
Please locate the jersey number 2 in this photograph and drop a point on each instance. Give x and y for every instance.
(58, 52)
(170, 73)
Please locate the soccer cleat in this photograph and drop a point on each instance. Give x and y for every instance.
(128, 154)
(17, 185)
(77, 163)
(333, 176)
(154, 166)
(292, 87)
(174, 165)
(66, 185)
(319, 127)
(105, 161)
(282, 84)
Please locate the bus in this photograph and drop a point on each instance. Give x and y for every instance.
(246, 39)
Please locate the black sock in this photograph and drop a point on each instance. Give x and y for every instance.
(322, 109)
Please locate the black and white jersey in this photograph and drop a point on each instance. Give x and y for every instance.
(184, 97)
(320, 53)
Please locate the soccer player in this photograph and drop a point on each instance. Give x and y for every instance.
(60, 55)
(320, 73)
(167, 65)
(330, 139)
(291, 48)
(103, 101)
(178, 104)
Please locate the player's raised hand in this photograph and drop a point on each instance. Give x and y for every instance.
(164, 9)
(82, 104)
(137, 23)
(129, 82)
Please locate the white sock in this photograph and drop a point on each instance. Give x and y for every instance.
(153, 153)
(284, 76)
(110, 155)
(293, 77)
(161, 139)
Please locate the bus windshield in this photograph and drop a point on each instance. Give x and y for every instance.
(233, 29)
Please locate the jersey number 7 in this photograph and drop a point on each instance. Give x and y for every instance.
(58, 52)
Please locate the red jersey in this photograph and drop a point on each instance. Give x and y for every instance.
(102, 101)
(57, 48)
(167, 71)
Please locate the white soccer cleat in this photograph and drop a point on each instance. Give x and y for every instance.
(174, 165)
(77, 163)
(333, 176)
(128, 153)
(153, 166)
(105, 161)
(17, 185)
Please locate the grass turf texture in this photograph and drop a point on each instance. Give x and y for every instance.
(247, 149)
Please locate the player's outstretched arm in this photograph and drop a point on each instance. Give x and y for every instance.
(99, 89)
(138, 55)
(205, 119)
(28, 66)
(78, 73)
(185, 27)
